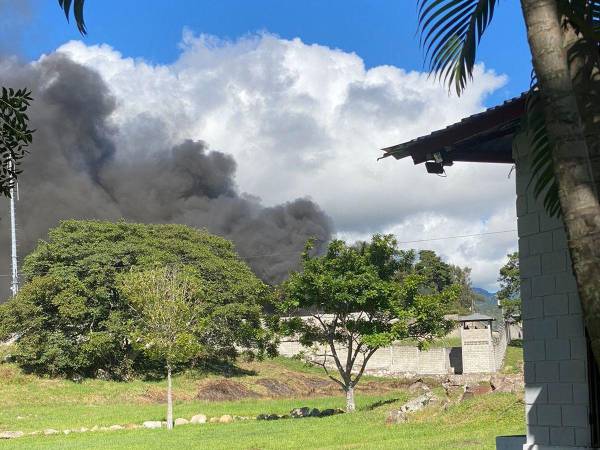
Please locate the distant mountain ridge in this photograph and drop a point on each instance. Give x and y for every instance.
(489, 305)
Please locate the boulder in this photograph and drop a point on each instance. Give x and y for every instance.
(198, 418)
(225, 418)
(116, 427)
(49, 431)
(153, 424)
(476, 390)
(418, 386)
(300, 412)
(314, 413)
(395, 417)
(416, 404)
(181, 421)
(214, 420)
(10, 434)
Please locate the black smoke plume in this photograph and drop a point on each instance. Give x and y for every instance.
(75, 170)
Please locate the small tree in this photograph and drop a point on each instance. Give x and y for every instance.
(510, 288)
(165, 324)
(359, 306)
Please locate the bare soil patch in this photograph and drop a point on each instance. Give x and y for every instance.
(220, 390)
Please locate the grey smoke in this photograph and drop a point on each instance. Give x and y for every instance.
(75, 170)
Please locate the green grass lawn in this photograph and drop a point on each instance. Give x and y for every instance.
(30, 403)
(472, 424)
(513, 360)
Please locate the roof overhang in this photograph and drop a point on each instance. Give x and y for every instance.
(484, 137)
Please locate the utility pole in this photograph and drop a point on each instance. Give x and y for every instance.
(14, 285)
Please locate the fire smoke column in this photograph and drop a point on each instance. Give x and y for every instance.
(14, 285)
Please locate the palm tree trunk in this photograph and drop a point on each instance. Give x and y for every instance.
(570, 154)
(169, 399)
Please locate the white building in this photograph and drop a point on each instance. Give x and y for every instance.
(562, 385)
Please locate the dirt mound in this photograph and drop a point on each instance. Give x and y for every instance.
(276, 388)
(219, 390)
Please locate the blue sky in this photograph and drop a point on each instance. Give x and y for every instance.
(381, 32)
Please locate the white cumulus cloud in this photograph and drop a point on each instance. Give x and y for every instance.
(308, 120)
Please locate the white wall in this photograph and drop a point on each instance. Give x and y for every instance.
(556, 390)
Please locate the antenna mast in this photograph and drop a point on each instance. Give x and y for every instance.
(14, 285)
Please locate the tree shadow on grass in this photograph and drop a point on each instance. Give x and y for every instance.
(380, 403)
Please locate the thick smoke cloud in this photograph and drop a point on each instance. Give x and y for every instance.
(75, 170)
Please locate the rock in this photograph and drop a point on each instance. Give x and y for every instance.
(198, 418)
(314, 413)
(300, 412)
(225, 418)
(49, 431)
(262, 417)
(116, 427)
(214, 420)
(95, 428)
(10, 434)
(152, 424)
(82, 430)
(327, 412)
(418, 386)
(273, 417)
(416, 404)
(180, 421)
(396, 417)
(476, 390)
(66, 431)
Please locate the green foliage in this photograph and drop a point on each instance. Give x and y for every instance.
(168, 316)
(436, 273)
(359, 304)
(73, 320)
(542, 168)
(15, 135)
(451, 31)
(65, 5)
(510, 288)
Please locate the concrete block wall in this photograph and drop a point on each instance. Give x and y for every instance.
(395, 359)
(477, 351)
(554, 346)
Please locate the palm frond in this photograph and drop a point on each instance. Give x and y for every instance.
(584, 15)
(65, 5)
(450, 32)
(542, 169)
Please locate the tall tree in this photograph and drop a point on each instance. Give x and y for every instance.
(166, 321)
(564, 38)
(509, 294)
(359, 307)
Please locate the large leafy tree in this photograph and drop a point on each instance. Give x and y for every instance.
(509, 294)
(563, 116)
(359, 306)
(72, 319)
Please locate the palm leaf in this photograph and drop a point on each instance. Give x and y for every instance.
(450, 32)
(65, 5)
(542, 168)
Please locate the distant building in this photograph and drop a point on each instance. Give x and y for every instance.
(562, 388)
